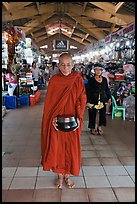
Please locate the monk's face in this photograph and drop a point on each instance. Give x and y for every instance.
(65, 65)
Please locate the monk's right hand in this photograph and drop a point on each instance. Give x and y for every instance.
(54, 123)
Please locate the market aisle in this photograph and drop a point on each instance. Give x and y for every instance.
(108, 162)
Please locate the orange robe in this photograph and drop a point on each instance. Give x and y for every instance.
(61, 151)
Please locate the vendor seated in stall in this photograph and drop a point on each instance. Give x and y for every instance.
(11, 81)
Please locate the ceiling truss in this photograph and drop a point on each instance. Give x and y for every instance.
(75, 21)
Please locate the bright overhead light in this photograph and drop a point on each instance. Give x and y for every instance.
(44, 46)
(51, 31)
(73, 47)
(58, 28)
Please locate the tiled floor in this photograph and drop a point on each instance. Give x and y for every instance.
(108, 162)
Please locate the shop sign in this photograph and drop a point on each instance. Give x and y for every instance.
(61, 45)
(129, 29)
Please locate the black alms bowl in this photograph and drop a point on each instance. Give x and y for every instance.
(66, 124)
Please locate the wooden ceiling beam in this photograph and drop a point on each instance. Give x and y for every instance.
(84, 21)
(38, 34)
(85, 37)
(122, 19)
(106, 14)
(34, 29)
(31, 12)
(73, 28)
(118, 19)
(41, 21)
(38, 39)
(118, 6)
(38, 7)
(84, 7)
(6, 5)
(18, 5)
(113, 28)
(105, 6)
(79, 27)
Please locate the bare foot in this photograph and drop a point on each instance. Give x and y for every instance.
(59, 181)
(69, 182)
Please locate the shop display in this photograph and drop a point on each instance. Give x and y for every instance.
(25, 83)
(129, 103)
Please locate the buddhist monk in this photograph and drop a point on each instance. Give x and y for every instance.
(66, 98)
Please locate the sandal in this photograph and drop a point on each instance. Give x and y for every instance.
(69, 182)
(100, 131)
(93, 131)
(59, 181)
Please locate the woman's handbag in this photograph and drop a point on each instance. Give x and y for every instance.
(66, 124)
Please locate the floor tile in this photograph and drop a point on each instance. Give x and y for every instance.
(97, 181)
(45, 182)
(93, 170)
(85, 141)
(119, 147)
(121, 181)
(106, 153)
(29, 163)
(102, 147)
(89, 154)
(23, 183)
(130, 169)
(45, 173)
(15, 148)
(4, 194)
(79, 182)
(26, 171)
(115, 170)
(101, 195)
(90, 162)
(6, 182)
(74, 195)
(47, 195)
(109, 161)
(123, 153)
(8, 171)
(87, 147)
(133, 178)
(98, 140)
(19, 195)
(125, 194)
(127, 160)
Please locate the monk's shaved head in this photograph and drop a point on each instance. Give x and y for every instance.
(65, 54)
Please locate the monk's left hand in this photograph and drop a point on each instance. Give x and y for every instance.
(78, 121)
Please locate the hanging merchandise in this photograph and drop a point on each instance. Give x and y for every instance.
(4, 50)
(14, 36)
